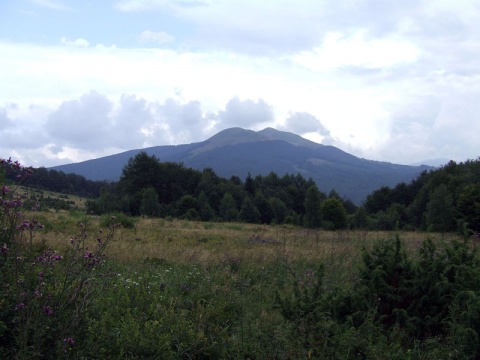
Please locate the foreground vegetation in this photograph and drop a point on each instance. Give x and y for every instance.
(112, 286)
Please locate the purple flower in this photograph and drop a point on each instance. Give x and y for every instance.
(4, 249)
(20, 306)
(47, 310)
(69, 341)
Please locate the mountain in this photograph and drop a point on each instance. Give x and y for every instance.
(237, 151)
(432, 162)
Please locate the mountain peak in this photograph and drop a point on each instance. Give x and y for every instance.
(236, 151)
(237, 135)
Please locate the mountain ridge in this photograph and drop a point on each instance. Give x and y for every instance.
(236, 151)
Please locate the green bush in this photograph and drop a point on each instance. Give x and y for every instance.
(108, 220)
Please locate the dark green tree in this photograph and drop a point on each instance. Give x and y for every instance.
(249, 212)
(249, 185)
(205, 211)
(469, 206)
(186, 204)
(360, 218)
(228, 208)
(279, 209)
(440, 210)
(141, 171)
(149, 205)
(263, 206)
(313, 215)
(333, 213)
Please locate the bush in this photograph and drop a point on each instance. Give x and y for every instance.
(43, 294)
(108, 220)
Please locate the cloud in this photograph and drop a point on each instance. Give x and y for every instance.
(338, 51)
(82, 43)
(302, 122)
(148, 36)
(82, 123)
(5, 121)
(126, 123)
(245, 113)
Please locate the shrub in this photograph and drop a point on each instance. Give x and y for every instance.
(108, 220)
(43, 293)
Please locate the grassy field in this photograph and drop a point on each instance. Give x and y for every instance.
(175, 289)
(208, 243)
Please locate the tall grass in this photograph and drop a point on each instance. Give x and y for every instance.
(179, 289)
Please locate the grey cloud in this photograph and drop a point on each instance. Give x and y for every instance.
(302, 122)
(132, 115)
(82, 123)
(92, 122)
(180, 115)
(185, 122)
(434, 126)
(287, 26)
(5, 121)
(18, 133)
(245, 113)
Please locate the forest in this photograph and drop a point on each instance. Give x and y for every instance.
(444, 200)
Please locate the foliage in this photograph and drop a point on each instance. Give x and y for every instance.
(228, 208)
(112, 219)
(44, 295)
(334, 214)
(313, 216)
(58, 181)
(445, 199)
(249, 212)
(440, 210)
(436, 200)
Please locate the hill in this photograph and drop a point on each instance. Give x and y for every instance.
(237, 151)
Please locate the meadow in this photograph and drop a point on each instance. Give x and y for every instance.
(177, 289)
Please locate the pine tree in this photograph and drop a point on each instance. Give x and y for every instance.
(312, 218)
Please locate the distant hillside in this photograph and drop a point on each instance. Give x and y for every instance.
(238, 152)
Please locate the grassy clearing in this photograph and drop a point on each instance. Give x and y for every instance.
(175, 289)
(188, 241)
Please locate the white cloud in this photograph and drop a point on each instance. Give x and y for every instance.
(77, 42)
(246, 113)
(388, 81)
(161, 37)
(304, 123)
(338, 51)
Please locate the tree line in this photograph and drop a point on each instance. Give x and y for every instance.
(444, 200)
(149, 187)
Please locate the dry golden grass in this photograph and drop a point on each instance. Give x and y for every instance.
(208, 243)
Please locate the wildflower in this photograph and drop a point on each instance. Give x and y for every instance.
(20, 306)
(5, 189)
(69, 341)
(4, 249)
(47, 310)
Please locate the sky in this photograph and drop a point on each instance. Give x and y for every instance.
(395, 81)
